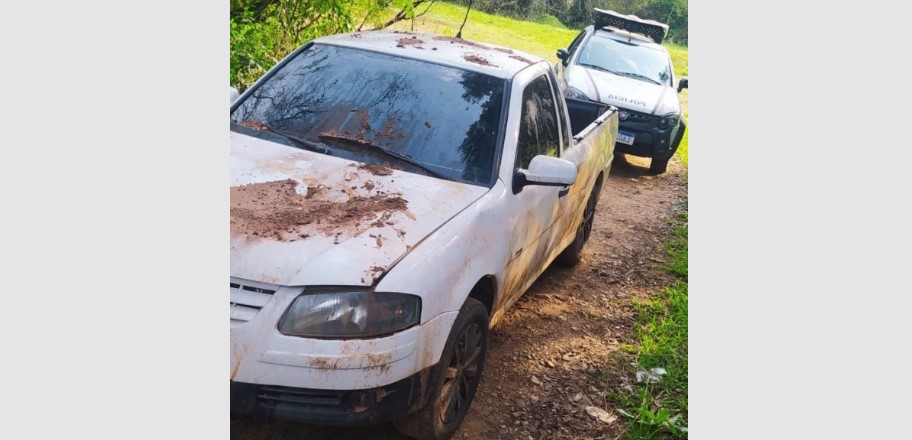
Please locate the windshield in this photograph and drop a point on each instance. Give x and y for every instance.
(443, 119)
(628, 59)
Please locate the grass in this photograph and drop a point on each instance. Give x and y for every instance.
(680, 62)
(681, 154)
(542, 37)
(659, 410)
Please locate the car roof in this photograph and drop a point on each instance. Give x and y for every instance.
(498, 61)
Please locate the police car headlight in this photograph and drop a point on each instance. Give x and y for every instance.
(668, 121)
(576, 93)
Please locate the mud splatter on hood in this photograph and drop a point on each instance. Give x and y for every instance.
(304, 218)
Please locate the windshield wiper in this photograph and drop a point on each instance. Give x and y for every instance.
(363, 142)
(637, 75)
(305, 144)
(628, 74)
(599, 68)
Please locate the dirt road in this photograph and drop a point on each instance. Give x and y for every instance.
(566, 331)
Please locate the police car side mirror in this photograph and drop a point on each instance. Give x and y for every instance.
(563, 55)
(682, 84)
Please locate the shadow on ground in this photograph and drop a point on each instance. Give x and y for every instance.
(252, 429)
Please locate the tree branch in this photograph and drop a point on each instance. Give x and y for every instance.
(426, 9)
(402, 13)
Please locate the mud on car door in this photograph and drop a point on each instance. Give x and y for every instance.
(537, 207)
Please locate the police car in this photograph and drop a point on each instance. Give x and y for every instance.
(619, 60)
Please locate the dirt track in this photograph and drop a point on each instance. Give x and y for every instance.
(566, 331)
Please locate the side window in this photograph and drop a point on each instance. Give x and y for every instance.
(565, 135)
(538, 124)
(576, 42)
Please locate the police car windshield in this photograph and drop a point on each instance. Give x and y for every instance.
(632, 60)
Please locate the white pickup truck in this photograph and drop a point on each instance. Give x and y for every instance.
(392, 194)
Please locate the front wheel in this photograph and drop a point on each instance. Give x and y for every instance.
(658, 166)
(456, 377)
(574, 253)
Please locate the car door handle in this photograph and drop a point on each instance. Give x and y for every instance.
(563, 192)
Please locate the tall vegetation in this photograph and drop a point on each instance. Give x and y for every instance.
(578, 13)
(264, 31)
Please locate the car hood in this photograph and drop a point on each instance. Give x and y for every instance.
(619, 91)
(305, 218)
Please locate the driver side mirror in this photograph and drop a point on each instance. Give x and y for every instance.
(682, 84)
(545, 171)
(233, 95)
(563, 55)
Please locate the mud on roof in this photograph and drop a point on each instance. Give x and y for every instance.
(409, 41)
(477, 59)
(444, 49)
(461, 41)
(523, 59)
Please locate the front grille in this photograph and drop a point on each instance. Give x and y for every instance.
(640, 118)
(272, 396)
(247, 298)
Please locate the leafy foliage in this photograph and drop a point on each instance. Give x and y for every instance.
(264, 31)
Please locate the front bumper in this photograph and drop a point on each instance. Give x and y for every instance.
(261, 355)
(649, 140)
(332, 407)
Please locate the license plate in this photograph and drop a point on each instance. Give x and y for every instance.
(625, 138)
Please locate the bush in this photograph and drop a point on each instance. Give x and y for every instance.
(253, 51)
(264, 31)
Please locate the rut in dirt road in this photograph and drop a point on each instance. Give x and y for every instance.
(566, 331)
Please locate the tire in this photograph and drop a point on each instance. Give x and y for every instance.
(453, 389)
(658, 166)
(574, 253)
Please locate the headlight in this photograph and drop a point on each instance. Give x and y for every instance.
(576, 93)
(350, 314)
(668, 121)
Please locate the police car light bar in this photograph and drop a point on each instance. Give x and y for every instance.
(631, 23)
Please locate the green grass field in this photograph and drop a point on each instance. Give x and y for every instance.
(537, 38)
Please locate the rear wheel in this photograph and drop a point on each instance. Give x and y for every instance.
(574, 253)
(456, 377)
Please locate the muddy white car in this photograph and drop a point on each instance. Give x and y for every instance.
(392, 195)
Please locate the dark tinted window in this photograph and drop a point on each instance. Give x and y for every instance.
(565, 132)
(538, 127)
(443, 118)
(576, 41)
(628, 59)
